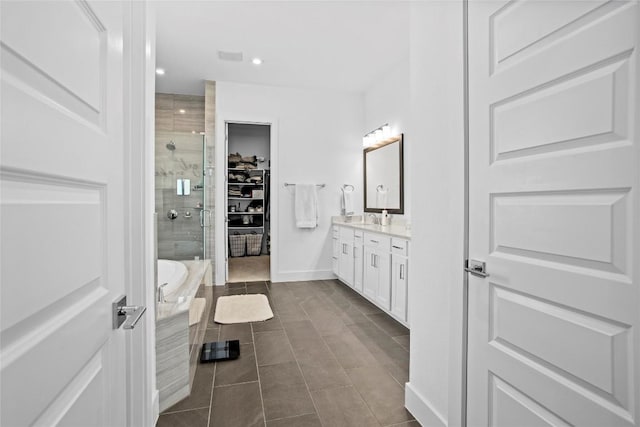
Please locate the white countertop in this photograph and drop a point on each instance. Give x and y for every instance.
(390, 230)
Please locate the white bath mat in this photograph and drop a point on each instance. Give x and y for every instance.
(196, 309)
(242, 309)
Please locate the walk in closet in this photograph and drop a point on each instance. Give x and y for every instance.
(248, 213)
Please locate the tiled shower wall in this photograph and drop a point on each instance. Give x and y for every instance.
(182, 238)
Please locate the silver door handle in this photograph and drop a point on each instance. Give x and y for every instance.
(401, 271)
(133, 314)
(126, 315)
(477, 268)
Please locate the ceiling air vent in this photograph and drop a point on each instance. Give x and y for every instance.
(230, 56)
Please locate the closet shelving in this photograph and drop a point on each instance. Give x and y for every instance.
(242, 218)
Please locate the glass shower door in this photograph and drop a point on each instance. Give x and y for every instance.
(180, 195)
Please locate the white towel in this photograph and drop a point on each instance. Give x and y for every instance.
(347, 201)
(381, 197)
(306, 206)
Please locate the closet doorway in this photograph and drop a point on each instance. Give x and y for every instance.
(248, 214)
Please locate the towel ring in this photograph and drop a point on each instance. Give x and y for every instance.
(347, 186)
(380, 188)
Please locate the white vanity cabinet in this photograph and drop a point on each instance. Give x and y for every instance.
(377, 261)
(346, 258)
(399, 288)
(358, 255)
(335, 261)
(375, 265)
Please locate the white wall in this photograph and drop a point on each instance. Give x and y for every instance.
(318, 139)
(433, 394)
(387, 101)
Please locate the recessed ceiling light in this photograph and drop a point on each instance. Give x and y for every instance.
(181, 111)
(256, 61)
(160, 71)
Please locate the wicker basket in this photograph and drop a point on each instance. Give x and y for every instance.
(254, 244)
(237, 244)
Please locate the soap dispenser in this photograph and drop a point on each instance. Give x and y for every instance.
(385, 218)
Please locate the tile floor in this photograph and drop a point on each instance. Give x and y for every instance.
(328, 358)
(249, 268)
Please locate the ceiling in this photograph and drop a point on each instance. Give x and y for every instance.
(329, 45)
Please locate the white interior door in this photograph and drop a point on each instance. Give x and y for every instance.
(63, 233)
(554, 211)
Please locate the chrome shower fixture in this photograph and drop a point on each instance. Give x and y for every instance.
(171, 146)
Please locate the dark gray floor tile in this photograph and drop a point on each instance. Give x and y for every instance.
(284, 392)
(310, 420)
(327, 324)
(211, 334)
(343, 407)
(320, 369)
(236, 331)
(200, 396)
(257, 288)
(382, 393)
(289, 312)
(236, 291)
(387, 324)
(303, 335)
(192, 418)
(237, 405)
(241, 370)
(272, 347)
(365, 306)
(235, 285)
(403, 340)
(349, 351)
(400, 374)
(272, 324)
(351, 315)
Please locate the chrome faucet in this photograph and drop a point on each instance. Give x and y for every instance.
(161, 292)
(374, 219)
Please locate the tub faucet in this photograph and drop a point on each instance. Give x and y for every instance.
(374, 219)
(161, 292)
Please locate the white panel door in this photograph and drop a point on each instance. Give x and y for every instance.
(62, 210)
(554, 211)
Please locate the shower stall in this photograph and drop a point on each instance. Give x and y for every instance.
(183, 219)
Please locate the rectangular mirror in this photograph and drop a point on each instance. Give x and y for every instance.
(384, 176)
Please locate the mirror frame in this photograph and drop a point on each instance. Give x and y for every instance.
(396, 139)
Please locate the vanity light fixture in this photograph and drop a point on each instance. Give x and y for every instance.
(160, 71)
(256, 61)
(379, 134)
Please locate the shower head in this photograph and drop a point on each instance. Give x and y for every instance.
(171, 146)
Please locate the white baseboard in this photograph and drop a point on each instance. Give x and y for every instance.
(156, 407)
(300, 276)
(422, 409)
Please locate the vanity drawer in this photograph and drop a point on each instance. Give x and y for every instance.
(379, 241)
(399, 247)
